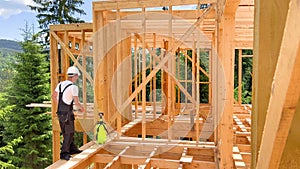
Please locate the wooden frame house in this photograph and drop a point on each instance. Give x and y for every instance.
(144, 65)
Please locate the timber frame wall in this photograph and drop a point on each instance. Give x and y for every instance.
(120, 84)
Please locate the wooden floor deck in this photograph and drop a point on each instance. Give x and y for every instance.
(125, 151)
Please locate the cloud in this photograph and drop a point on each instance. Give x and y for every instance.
(9, 8)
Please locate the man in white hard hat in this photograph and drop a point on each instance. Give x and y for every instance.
(67, 94)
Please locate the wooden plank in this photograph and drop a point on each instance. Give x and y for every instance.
(164, 163)
(130, 125)
(200, 164)
(239, 123)
(267, 41)
(225, 49)
(179, 14)
(147, 164)
(73, 27)
(111, 5)
(238, 159)
(89, 149)
(54, 81)
(116, 162)
(103, 158)
(288, 117)
(84, 84)
(169, 85)
(184, 157)
(135, 72)
(133, 159)
(118, 80)
(154, 81)
(144, 75)
(284, 97)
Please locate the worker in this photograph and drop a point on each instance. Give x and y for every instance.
(66, 93)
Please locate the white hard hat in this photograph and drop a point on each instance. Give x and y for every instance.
(72, 71)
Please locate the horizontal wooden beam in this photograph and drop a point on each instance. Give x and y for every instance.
(75, 27)
(103, 158)
(131, 159)
(158, 15)
(112, 5)
(81, 160)
(169, 163)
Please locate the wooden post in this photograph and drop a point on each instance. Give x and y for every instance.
(154, 78)
(54, 82)
(267, 41)
(197, 90)
(170, 89)
(144, 75)
(164, 79)
(98, 52)
(119, 79)
(135, 64)
(84, 90)
(278, 148)
(225, 49)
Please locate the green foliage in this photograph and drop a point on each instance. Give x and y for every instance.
(6, 70)
(56, 12)
(29, 85)
(246, 76)
(246, 95)
(7, 151)
(8, 50)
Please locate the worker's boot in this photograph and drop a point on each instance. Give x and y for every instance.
(77, 151)
(65, 157)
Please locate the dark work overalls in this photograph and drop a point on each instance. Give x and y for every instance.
(66, 121)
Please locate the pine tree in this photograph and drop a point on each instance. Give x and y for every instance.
(56, 12)
(29, 85)
(6, 72)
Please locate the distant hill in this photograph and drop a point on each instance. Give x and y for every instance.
(9, 46)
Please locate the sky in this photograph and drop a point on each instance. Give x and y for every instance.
(15, 13)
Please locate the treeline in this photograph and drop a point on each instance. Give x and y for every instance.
(10, 46)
